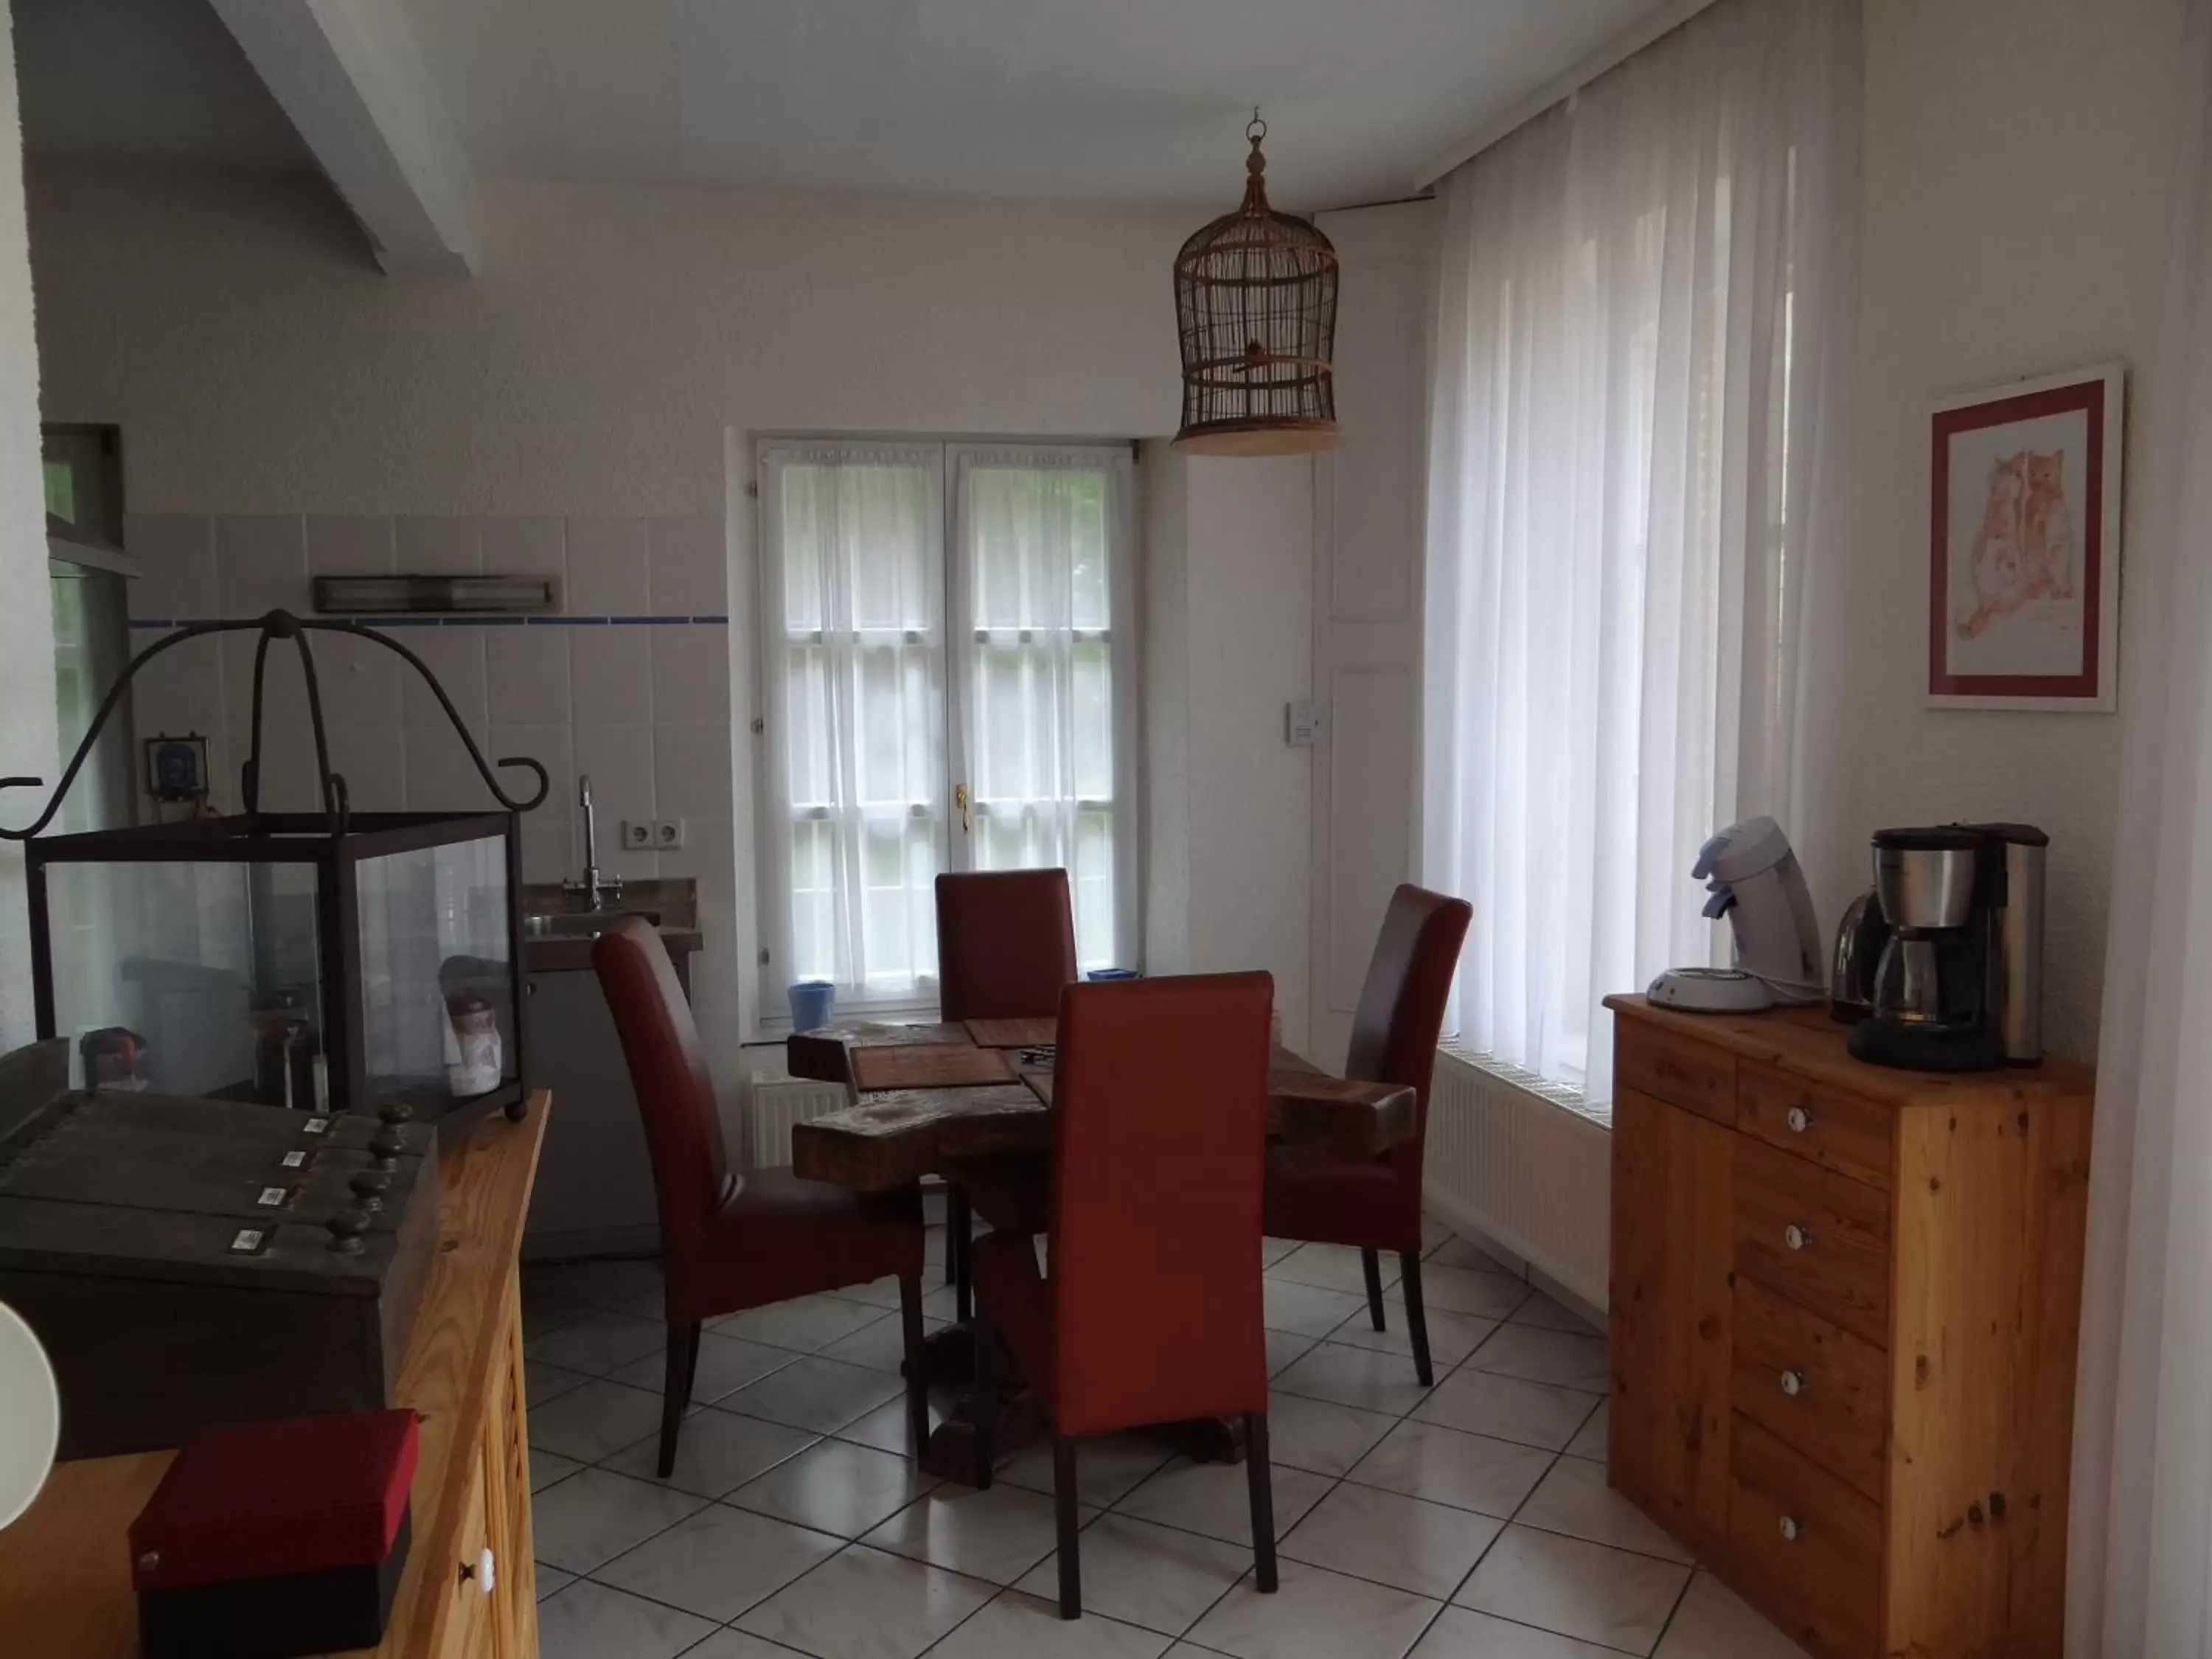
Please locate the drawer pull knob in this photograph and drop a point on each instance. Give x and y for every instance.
(1793, 1383)
(1796, 1237)
(484, 1572)
(1799, 1120)
(1791, 1530)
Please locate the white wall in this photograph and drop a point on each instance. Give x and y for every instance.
(1249, 617)
(1368, 556)
(2018, 155)
(27, 641)
(261, 367)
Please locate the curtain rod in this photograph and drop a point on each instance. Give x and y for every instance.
(1614, 52)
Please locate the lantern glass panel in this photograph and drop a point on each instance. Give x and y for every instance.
(189, 979)
(434, 955)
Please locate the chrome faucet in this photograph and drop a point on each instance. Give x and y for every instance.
(594, 889)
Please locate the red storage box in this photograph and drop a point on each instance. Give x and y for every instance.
(275, 1540)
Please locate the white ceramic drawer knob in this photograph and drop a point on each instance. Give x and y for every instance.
(1796, 1237)
(1791, 1530)
(1799, 1120)
(1793, 1383)
(483, 1572)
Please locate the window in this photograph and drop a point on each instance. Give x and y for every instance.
(1637, 516)
(947, 634)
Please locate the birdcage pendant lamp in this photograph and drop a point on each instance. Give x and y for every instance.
(1255, 310)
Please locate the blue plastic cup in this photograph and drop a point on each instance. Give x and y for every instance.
(812, 1003)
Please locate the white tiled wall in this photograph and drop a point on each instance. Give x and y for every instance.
(630, 685)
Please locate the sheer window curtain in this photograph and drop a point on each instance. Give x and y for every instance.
(2139, 1542)
(1044, 584)
(852, 610)
(1638, 494)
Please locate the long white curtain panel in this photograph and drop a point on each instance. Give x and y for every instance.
(1638, 490)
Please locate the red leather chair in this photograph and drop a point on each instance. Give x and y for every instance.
(1006, 948)
(1152, 1312)
(730, 1242)
(1374, 1205)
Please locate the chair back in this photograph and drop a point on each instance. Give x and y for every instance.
(1401, 1005)
(1005, 944)
(675, 1093)
(1160, 1103)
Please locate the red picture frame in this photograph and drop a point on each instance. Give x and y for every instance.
(2024, 544)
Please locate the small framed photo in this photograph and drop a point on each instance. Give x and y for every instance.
(2024, 544)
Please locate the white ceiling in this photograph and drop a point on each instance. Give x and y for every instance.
(1125, 101)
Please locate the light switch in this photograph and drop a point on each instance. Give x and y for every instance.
(1302, 724)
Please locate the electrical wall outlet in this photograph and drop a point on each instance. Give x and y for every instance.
(667, 833)
(637, 835)
(1302, 724)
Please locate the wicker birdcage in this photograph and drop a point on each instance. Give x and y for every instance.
(1256, 306)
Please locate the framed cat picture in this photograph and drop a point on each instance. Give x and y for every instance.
(2024, 544)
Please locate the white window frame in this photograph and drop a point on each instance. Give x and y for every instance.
(950, 459)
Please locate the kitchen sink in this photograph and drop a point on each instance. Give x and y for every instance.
(579, 924)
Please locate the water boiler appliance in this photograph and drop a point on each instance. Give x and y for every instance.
(1958, 984)
(1860, 937)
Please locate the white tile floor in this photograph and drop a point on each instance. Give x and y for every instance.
(1471, 1521)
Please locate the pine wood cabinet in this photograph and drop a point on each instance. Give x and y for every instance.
(1844, 1307)
(65, 1568)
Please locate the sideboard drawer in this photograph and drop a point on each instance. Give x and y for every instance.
(1678, 1070)
(1846, 1132)
(1815, 1238)
(1812, 1545)
(1812, 1384)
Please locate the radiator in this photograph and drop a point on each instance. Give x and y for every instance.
(775, 1101)
(1510, 1157)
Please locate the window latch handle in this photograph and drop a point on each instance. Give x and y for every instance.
(960, 800)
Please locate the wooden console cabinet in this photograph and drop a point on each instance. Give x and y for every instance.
(1845, 1305)
(66, 1565)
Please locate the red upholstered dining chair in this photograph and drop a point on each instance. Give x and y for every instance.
(1152, 1312)
(1375, 1204)
(730, 1242)
(1005, 949)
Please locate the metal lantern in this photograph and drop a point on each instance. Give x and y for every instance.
(1255, 305)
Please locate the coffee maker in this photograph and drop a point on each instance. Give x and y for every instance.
(1958, 984)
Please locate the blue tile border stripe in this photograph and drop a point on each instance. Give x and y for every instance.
(464, 622)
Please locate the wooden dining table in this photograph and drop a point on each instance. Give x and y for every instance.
(927, 1094)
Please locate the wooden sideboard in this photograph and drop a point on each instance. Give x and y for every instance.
(1845, 1306)
(65, 1566)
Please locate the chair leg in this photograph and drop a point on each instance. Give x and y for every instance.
(917, 1367)
(984, 1344)
(1371, 1264)
(1260, 1478)
(1417, 1317)
(675, 1389)
(959, 1240)
(955, 1229)
(1064, 1520)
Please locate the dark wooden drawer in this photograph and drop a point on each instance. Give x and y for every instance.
(1679, 1070)
(1812, 1545)
(1846, 1132)
(1814, 1237)
(1813, 1385)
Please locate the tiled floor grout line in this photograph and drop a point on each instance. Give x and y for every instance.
(1398, 1418)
